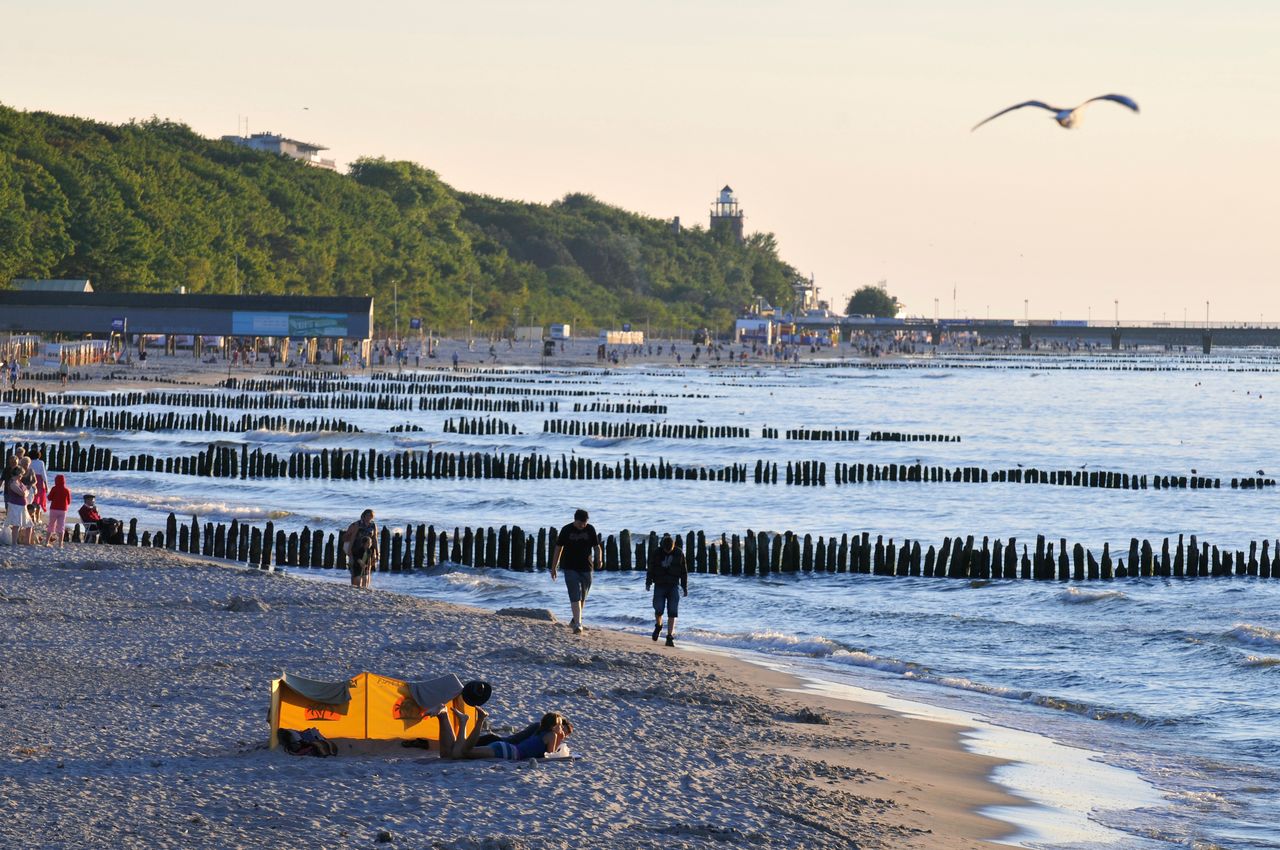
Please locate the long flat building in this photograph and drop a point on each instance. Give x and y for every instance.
(296, 317)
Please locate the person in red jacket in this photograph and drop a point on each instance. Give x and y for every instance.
(59, 501)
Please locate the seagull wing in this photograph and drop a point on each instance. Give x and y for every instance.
(1115, 98)
(1011, 108)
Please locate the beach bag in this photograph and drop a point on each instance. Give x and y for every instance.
(111, 531)
(308, 742)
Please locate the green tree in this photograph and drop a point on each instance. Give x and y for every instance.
(873, 301)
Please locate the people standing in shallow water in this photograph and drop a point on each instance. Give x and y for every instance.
(578, 544)
(360, 542)
(668, 575)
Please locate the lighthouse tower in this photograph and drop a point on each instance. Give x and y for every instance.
(726, 215)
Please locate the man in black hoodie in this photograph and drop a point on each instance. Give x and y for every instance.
(667, 572)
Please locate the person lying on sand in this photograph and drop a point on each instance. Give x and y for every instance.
(487, 737)
(546, 737)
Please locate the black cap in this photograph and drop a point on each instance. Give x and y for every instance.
(476, 692)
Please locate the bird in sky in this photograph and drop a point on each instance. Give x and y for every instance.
(1067, 118)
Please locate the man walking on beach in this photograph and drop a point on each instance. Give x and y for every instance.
(577, 543)
(360, 542)
(668, 574)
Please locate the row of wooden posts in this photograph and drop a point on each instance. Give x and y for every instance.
(664, 430)
(484, 426)
(619, 407)
(754, 553)
(220, 461)
(353, 401)
(60, 419)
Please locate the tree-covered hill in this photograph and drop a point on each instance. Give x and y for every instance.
(152, 206)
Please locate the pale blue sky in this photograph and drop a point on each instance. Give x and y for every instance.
(843, 127)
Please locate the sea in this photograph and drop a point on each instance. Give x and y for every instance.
(1139, 712)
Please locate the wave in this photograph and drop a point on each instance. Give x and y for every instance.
(503, 502)
(1261, 661)
(1255, 635)
(833, 652)
(415, 442)
(604, 442)
(774, 642)
(185, 508)
(269, 435)
(1080, 596)
(477, 583)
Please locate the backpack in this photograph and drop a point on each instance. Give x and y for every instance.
(363, 543)
(306, 743)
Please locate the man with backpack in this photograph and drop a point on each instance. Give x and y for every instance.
(360, 542)
(668, 574)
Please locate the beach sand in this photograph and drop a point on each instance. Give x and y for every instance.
(134, 714)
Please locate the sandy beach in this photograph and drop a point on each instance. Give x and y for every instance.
(136, 688)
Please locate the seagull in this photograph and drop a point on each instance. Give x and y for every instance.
(1067, 118)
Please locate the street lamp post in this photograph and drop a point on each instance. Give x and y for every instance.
(1206, 314)
(1117, 312)
(1026, 310)
(471, 324)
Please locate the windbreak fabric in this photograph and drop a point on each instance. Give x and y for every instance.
(432, 694)
(329, 693)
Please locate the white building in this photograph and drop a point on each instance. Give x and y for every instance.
(273, 143)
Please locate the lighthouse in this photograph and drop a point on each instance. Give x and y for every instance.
(726, 215)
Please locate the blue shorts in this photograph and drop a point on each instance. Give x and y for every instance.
(578, 583)
(668, 596)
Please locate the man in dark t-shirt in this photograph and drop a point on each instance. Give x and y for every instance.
(577, 544)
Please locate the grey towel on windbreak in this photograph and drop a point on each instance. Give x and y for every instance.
(432, 694)
(328, 693)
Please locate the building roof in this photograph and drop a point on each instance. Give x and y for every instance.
(150, 312)
(173, 301)
(27, 284)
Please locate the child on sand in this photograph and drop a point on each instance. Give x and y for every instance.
(59, 502)
(546, 738)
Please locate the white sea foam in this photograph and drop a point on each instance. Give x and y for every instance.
(1255, 635)
(1261, 661)
(1082, 596)
(771, 641)
(119, 500)
(474, 582)
(268, 435)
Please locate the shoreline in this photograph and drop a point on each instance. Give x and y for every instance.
(1045, 789)
(153, 695)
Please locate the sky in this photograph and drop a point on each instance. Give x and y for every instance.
(843, 127)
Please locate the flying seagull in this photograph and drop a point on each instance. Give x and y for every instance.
(1067, 118)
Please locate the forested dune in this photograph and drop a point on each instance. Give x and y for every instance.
(152, 206)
